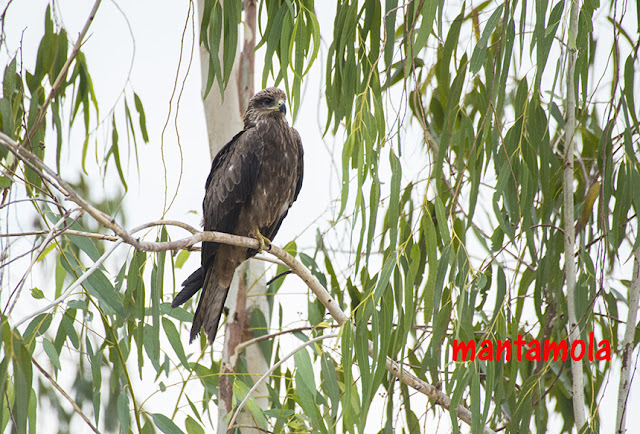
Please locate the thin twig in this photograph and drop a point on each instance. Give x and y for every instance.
(269, 372)
(97, 265)
(186, 243)
(63, 393)
(627, 345)
(71, 288)
(67, 232)
(63, 73)
(52, 234)
(577, 374)
(241, 346)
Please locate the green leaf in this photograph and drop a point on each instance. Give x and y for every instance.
(10, 81)
(346, 153)
(100, 287)
(389, 26)
(22, 378)
(383, 281)
(182, 258)
(174, 339)
(39, 325)
(231, 12)
(179, 313)
(192, 426)
(85, 244)
(37, 294)
(96, 377)
(51, 351)
(428, 15)
(116, 153)
(5, 182)
(164, 424)
(157, 283)
(330, 383)
(394, 199)
(135, 284)
(307, 386)
(479, 52)
(142, 117)
(123, 412)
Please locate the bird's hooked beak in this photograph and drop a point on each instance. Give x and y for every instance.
(282, 106)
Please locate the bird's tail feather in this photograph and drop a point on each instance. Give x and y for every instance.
(190, 286)
(210, 307)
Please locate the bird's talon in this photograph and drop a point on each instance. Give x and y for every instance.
(265, 243)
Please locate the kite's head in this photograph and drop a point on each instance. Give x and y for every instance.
(270, 102)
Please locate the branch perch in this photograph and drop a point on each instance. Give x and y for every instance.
(296, 267)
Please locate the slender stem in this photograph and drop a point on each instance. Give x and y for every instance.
(186, 243)
(67, 232)
(63, 393)
(51, 235)
(568, 214)
(627, 345)
(63, 73)
(73, 286)
(269, 372)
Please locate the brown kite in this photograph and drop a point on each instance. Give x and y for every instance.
(253, 181)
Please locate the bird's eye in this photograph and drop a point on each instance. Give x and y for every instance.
(267, 101)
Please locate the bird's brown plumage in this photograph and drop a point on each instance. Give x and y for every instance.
(254, 179)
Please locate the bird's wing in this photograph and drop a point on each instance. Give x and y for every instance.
(232, 178)
(271, 232)
(300, 163)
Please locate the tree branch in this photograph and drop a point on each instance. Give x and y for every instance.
(230, 426)
(71, 288)
(63, 73)
(50, 236)
(627, 345)
(577, 382)
(63, 393)
(296, 267)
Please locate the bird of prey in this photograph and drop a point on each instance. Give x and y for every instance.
(254, 179)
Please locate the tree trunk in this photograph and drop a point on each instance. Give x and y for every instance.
(248, 289)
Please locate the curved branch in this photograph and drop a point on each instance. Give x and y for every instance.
(300, 270)
(97, 265)
(63, 72)
(51, 235)
(71, 288)
(75, 406)
(269, 372)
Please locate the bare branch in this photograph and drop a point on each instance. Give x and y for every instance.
(577, 382)
(186, 243)
(73, 286)
(627, 345)
(52, 234)
(269, 372)
(63, 393)
(63, 73)
(67, 232)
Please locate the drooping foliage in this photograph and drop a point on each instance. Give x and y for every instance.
(453, 120)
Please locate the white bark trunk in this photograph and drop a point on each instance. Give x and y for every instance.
(627, 345)
(569, 228)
